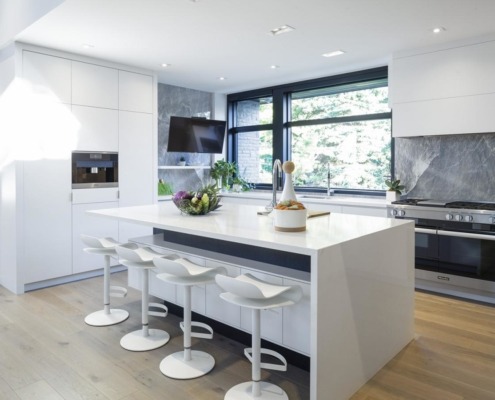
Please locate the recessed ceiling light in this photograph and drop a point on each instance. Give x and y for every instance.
(222, 78)
(87, 46)
(333, 53)
(164, 65)
(281, 29)
(438, 29)
(274, 66)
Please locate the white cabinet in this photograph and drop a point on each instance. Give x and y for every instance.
(271, 319)
(135, 167)
(297, 320)
(94, 85)
(94, 226)
(217, 308)
(99, 128)
(48, 74)
(135, 92)
(47, 239)
(449, 89)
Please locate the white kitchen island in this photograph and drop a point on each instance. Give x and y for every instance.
(360, 269)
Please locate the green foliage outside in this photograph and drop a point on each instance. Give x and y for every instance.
(357, 153)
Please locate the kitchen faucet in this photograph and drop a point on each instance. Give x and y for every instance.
(277, 167)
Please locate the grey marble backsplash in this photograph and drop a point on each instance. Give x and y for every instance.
(181, 102)
(449, 167)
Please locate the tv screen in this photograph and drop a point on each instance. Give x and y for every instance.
(195, 135)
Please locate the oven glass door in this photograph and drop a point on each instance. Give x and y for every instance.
(467, 254)
(426, 247)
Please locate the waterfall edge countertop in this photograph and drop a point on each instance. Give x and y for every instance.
(242, 224)
(361, 281)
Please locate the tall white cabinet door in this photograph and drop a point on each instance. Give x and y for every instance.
(47, 220)
(99, 128)
(84, 223)
(135, 167)
(48, 73)
(94, 85)
(135, 92)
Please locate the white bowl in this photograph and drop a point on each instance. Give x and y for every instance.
(290, 220)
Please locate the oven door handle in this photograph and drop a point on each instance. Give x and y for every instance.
(466, 235)
(427, 231)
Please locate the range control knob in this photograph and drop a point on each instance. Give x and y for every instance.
(491, 220)
(468, 218)
(393, 212)
(449, 217)
(458, 217)
(401, 213)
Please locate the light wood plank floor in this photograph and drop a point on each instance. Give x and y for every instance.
(48, 352)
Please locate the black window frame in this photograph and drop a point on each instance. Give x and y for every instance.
(281, 123)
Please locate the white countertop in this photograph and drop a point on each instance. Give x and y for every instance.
(242, 224)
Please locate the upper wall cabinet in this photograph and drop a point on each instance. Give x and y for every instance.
(94, 85)
(99, 128)
(135, 92)
(48, 74)
(448, 90)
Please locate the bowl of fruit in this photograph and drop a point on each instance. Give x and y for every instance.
(290, 216)
(199, 202)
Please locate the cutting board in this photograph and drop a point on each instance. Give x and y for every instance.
(312, 214)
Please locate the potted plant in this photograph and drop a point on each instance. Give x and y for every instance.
(394, 189)
(223, 171)
(182, 161)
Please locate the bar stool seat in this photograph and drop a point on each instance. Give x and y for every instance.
(107, 316)
(144, 339)
(187, 364)
(251, 292)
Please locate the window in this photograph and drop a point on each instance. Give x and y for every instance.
(338, 125)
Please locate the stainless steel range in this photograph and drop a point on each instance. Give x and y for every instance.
(455, 245)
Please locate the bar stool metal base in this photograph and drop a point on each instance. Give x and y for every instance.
(174, 366)
(137, 341)
(101, 318)
(244, 391)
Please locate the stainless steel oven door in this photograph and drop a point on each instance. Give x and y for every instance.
(467, 254)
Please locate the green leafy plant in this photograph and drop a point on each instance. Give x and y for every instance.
(223, 171)
(394, 186)
(164, 188)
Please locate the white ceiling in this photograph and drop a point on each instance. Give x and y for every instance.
(206, 39)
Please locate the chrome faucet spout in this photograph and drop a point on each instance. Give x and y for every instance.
(276, 175)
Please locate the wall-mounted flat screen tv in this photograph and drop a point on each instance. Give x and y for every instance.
(196, 135)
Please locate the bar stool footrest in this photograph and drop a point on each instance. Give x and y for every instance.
(118, 291)
(163, 307)
(202, 325)
(275, 367)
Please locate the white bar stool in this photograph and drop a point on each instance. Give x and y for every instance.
(248, 291)
(187, 364)
(144, 339)
(107, 316)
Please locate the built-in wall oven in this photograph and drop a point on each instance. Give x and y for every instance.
(93, 169)
(453, 239)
